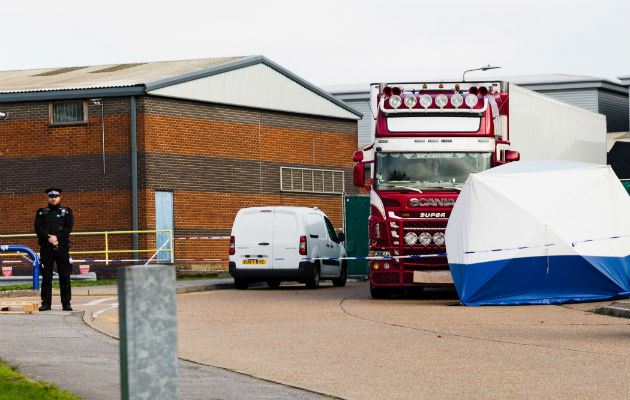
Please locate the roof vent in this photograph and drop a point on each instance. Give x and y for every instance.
(114, 68)
(59, 71)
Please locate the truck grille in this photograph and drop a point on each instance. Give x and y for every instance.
(430, 226)
(386, 277)
(425, 262)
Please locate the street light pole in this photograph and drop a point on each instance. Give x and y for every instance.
(487, 67)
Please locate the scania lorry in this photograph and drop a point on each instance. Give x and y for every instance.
(427, 138)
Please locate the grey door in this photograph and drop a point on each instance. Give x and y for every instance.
(163, 220)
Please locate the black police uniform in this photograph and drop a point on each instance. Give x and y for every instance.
(54, 220)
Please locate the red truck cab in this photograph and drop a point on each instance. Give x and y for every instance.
(427, 138)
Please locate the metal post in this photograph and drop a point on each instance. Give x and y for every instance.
(134, 176)
(148, 332)
(103, 130)
(106, 249)
(172, 245)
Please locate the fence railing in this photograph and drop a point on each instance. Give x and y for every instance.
(106, 242)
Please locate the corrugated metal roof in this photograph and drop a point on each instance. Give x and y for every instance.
(101, 76)
(141, 78)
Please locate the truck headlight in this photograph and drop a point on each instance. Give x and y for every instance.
(471, 100)
(411, 238)
(395, 101)
(441, 100)
(410, 101)
(426, 100)
(438, 238)
(457, 100)
(425, 238)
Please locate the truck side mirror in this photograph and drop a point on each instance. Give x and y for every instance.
(512, 156)
(358, 177)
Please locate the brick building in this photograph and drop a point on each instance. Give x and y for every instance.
(181, 144)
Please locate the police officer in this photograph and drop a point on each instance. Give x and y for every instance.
(53, 225)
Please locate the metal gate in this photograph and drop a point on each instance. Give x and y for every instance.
(357, 211)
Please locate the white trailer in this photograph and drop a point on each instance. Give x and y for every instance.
(545, 128)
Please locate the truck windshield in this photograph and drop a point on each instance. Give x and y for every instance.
(427, 171)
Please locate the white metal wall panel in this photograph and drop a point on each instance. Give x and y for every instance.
(615, 107)
(585, 98)
(257, 86)
(364, 126)
(543, 127)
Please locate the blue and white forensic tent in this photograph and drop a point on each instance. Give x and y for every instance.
(540, 232)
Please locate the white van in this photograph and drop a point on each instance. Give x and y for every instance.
(275, 244)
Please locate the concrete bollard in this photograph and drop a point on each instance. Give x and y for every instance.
(148, 332)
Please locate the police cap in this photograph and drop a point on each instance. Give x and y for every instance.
(52, 192)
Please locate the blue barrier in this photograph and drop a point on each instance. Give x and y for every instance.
(34, 259)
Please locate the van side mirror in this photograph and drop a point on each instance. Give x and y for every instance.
(511, 155)
(341, 236)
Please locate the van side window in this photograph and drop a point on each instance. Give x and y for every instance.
(331, 230)
(315, 225)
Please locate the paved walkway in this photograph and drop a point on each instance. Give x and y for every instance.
(59, 347)
(500, 339)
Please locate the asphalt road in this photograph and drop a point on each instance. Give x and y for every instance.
(340, 342)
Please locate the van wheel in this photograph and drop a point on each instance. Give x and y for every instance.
(240, 284)
(312, 282)
(343, 276)
(273, 283)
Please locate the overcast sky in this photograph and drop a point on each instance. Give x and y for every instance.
(328, 41)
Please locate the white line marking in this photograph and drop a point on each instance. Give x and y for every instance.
(99, 301)
(99, 312)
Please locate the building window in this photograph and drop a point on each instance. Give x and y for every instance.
(312, 180)
(68, 112)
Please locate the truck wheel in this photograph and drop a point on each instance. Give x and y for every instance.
(378, 292)
(312, 282)
(273, 283)
(343, 276)
(240, 284)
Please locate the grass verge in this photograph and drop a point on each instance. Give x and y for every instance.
(15, 386)
(56, 284)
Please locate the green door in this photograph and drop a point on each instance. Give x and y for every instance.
(357, 241)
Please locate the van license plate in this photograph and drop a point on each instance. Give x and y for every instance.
(254, 262)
